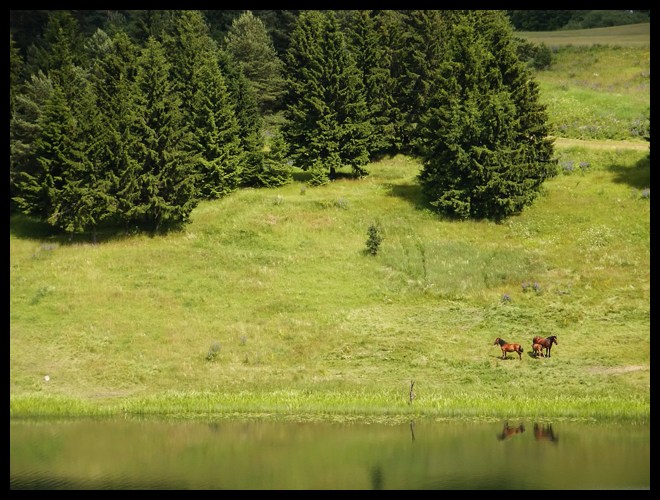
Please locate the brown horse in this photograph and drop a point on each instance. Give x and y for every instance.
(545, 433)
(508, 432)
(507, 347)
(546, 343)
(537, 350)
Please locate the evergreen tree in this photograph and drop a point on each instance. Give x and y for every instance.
(25, 128)
(186, 41)
(327, 121)
(250, 121)
(250, 45)
(60, 44)
(484, 139)
(207, 106)
(216, 132)
(276, 170)
(159, 190)
(97, 45)
(280, 25)
(422, 54)
(393, 34)
(15, 68)
(38, 188)
(113, 77)
(373, 59)
(85, 199)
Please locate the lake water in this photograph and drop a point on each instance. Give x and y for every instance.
(258, 455)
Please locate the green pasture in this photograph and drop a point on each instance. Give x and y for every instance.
(598, 92)
(268, 304)
(629, 35)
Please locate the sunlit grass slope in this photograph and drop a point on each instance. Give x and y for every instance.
(268, 303)
(629, 35)
(598, 92)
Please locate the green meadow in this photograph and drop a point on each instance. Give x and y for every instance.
(269, 305)
(628, 35)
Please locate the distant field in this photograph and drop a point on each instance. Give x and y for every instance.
(624, 36)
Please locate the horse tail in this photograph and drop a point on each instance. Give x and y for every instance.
(520, 349)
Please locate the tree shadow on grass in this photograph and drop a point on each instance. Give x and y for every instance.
(22, 226)
(412, 193)
(637, 177)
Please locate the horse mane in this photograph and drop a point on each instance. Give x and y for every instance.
(502, 342)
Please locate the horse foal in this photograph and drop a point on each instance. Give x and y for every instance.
(538, 350)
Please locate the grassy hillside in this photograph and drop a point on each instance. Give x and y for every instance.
(305, 320)
(598, 92)
(629, 35)
(267, 303)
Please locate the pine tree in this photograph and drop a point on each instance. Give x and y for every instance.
(207, 105)
(60, 44)
(39, 188)
(60, 181)
(250, 45)
(373, 59)
(421, 55)
(15, 68)
(113, 77)
(250, 121)
(484, 138)
(160, 188)
(85, 199)
(216, 133)
(327, 121)
(25, 127)
(276, 170)
(393, 35)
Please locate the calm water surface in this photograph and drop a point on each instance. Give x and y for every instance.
(132, 454)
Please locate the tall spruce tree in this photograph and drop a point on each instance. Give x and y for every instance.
(420, 56)
(207, 106)
(484, 139)
(250, 45)
(327, 122)
(373, 59)
(113, 77)
(216, 132)
(62, 183)
(250, 121)
(15, 69)
(85, 199)
(159, 190)
(39, 187)
(24, 129)
(392, 30)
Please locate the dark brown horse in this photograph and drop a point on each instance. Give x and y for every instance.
(546, 343)
(508, 432)
(545, 433)
(507, 347)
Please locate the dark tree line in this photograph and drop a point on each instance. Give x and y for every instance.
(140, 115)
(553, 20)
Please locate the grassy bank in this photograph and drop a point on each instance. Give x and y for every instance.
(268, 304)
